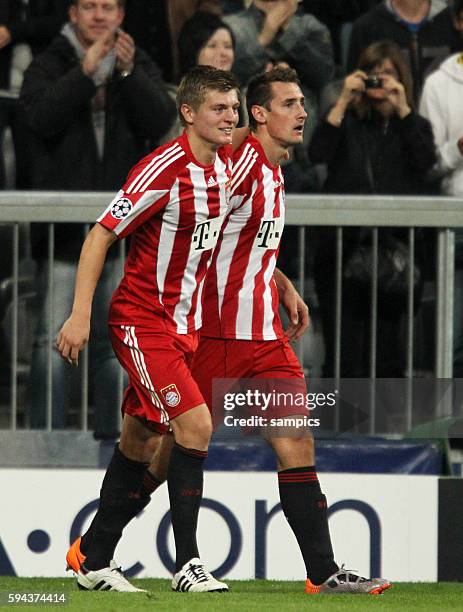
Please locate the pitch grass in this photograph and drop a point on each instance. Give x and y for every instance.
(245, 596)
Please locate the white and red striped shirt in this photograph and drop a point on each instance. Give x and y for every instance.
(240, 298)
(173, 207)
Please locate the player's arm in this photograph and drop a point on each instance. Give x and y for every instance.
(294, 305)
(76, 330)
(239, 135)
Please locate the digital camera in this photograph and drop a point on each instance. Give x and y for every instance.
(373, 82)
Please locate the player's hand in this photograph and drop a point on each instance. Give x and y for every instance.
(96, 53)
(294, 305)
(73, 337)
(125, 52)
(5, 36)
(298, 313)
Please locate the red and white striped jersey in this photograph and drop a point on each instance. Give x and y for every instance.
(240, 298)
(173, 207)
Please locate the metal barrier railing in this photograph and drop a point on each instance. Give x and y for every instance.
(443, 214)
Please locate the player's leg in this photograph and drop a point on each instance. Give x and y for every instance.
(304, 504)
(135, 481)
(158, 365)
(213, 360)
(302, 499)
(125, 492)
(192, 431)
(129, 481)
(159, 463)
(305, 508)
(301, 496)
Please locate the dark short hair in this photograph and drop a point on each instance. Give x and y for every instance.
(260, 93)
(198, 81)
(194, 35)
(121, 3)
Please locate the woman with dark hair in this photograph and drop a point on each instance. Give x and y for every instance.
(373, 142)
(373, 118)
(205, 40)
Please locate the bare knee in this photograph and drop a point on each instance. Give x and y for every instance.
(293, 452)
(193, 429)
(198, 438)
(138, 442)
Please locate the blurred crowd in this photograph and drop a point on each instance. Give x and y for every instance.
(383, 81)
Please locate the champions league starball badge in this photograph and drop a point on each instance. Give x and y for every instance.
(121, 208)
(171, 395)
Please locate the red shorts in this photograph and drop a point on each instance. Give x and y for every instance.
(161, 386)
(219, 358)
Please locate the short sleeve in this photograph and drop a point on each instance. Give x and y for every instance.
(145, 192)
(242, 178)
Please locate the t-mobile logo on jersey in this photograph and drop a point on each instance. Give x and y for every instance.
(206, 234)
(269, 234)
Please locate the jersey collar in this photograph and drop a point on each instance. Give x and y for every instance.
(260, 150)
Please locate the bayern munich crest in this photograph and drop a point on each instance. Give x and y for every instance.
(121, 208)
(171, 395)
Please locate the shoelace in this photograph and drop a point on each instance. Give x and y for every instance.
(119, 574)
(344, 568)
(198, 573)
(350, 572)
(119, 579)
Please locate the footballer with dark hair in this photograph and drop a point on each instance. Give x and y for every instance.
(242, 336)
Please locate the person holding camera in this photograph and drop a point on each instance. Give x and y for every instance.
(373, 142)
(423, 29)
(382, 88)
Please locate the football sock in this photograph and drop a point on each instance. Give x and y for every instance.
(149, 484)
(305, 508)
(185, 482)
(125, 492)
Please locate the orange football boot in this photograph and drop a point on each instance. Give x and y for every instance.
(74, 557)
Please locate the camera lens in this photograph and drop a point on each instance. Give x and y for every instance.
(373, 82)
